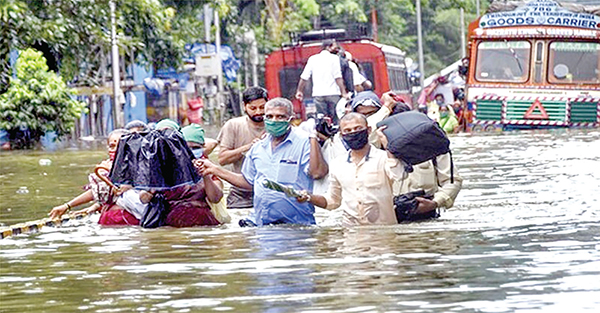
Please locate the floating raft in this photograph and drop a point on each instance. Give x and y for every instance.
(35, 226)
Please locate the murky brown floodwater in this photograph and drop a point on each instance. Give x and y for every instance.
(524, 236)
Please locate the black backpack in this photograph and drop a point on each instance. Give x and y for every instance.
(415, 138)
(347, 74)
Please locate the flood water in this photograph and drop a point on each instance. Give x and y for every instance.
(523, 236)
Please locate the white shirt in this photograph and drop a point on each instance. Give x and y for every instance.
(334, 148)
(365, 188)
(324, 69)
(357, 77)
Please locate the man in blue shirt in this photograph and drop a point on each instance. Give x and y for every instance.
(288, 156)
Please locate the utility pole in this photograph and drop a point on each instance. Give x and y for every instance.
(420, 44)
(207, 22)
(116, 110)
(220, 104)
(374, 21)
(478, 7)
(250, 39)
(463, 45)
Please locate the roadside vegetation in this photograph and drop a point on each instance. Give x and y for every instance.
(74, 37)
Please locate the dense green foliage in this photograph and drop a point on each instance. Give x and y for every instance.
(38, 100)
(77, 32)
(75, 35)
(272, 20)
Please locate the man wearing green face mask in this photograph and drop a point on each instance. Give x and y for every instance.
(287, 156)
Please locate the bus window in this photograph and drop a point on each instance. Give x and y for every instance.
(506, 61)
(288, 82)
(398, 79)
(366, 68)
(539, 61)
(396, 72)
(574, 62)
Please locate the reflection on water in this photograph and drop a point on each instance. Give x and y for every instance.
(522, 237)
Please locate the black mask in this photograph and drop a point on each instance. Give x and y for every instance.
(257, 118)
(357, 140)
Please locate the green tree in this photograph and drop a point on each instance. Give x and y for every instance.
(290, 15)
(38, 100)
(77, 34)
(13, 24)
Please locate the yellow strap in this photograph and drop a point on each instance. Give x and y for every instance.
(28, 227)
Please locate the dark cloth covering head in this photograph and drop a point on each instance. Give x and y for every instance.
(414, 138)
(366, 98)
(159, 159)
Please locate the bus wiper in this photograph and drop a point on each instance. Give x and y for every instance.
(514, 54)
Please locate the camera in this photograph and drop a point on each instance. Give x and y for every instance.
(324, 125)
(406, 206)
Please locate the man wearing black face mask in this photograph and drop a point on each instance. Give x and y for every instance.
(362, 179)
(237, 137)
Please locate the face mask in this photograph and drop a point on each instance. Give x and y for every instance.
(257, 118)
(357, 140)
(198, 152)
(439, 102)
(444, 114)
(277, 128)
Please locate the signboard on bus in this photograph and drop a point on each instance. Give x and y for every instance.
(540, 12)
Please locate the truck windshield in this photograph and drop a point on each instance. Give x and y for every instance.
(574, 63)
(504, 61)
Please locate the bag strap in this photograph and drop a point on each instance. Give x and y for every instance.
(451, 167)
(435, 168)
(434, 161)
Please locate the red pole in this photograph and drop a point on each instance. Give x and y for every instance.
(374, 23)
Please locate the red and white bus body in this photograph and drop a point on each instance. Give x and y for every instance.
(383, 65)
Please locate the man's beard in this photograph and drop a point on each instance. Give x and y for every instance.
(257, 118)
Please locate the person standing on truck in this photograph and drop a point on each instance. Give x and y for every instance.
(347, 72)
(327, 82)
(361, 83)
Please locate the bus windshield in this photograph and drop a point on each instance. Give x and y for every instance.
(504, 61)
(574, 62)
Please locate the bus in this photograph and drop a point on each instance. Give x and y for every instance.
(381, 64)
(534, 66)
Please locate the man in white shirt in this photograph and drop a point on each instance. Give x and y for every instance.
(362, 179)
(328, 84)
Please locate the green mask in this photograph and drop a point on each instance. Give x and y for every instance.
(276, 128)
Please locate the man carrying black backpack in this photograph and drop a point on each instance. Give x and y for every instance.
(431, 181)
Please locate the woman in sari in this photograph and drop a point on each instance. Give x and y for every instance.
(101, 194)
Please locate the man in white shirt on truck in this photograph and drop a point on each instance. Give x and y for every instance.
(327, 82)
